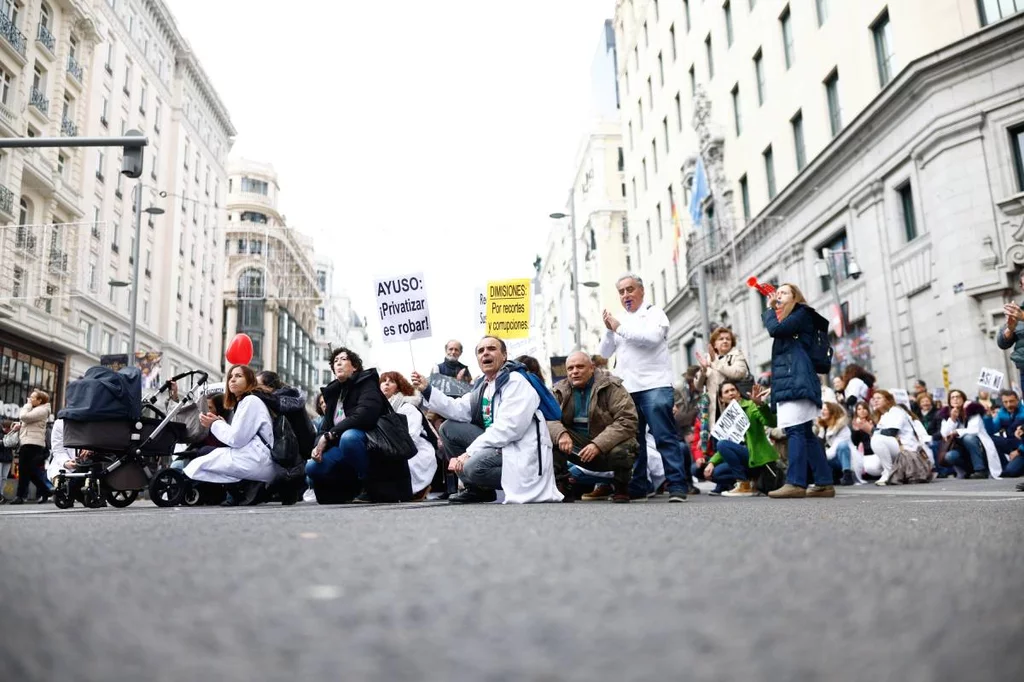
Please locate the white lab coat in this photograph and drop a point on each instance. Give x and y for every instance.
(246, 457)
(422, 465)
(976, 426)
(517, 423)
(59, 455)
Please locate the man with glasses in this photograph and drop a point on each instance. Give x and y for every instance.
(451, 367)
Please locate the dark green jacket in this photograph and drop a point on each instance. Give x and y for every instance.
(761, 450)
(1017, 343)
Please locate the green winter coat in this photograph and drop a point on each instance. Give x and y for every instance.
(761, 450)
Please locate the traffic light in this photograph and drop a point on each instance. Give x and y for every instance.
(131, 162)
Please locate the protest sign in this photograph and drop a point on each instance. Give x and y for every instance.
(508, 308)
(402, 306)
(480, 304)
(451, 387)
(990, 379)
(732, 424)
(939, 394)
(901, 396)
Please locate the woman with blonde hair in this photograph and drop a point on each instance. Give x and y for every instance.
(834, 428)
(894, 437)
(725, 362)
(796, 391)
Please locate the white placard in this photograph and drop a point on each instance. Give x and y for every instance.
(901, 396)
(939, 394)
(732, 424)
(402, 307)
(990, 378)
(480, 305)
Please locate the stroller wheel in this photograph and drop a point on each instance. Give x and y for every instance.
(92, 498)
(120, 498)
(61, 498)
(192, 496)
(169, 488)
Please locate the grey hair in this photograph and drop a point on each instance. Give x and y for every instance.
(629, 275)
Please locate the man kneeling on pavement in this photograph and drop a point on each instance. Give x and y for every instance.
(496, 433)
(597, 432)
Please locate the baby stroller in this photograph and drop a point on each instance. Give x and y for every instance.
(126, 436)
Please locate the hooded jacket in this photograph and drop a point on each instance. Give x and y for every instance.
(793, 375)
(611, 412)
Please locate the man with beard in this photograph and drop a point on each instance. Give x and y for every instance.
(451, 367)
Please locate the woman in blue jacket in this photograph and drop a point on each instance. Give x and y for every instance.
(796, 391)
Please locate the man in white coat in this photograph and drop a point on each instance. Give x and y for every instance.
(501, 431)
(640, 343)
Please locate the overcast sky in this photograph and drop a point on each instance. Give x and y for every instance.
(441, 134)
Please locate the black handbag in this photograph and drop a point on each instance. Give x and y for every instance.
(390, 437)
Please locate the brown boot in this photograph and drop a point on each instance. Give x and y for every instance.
(600, 492)
(788, 491)
(741, 489)
(821, 491)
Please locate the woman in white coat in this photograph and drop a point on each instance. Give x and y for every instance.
(894, 433)
(423, 465)
(247, 439)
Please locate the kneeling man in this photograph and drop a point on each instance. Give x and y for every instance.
(598, 426)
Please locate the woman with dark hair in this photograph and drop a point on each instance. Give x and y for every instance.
(247, 440)
(733, 463)
(796, 391)
(291, 402)
(531, 365)
(340, 465)
(855, 383)
(969, 447)
(415, 478)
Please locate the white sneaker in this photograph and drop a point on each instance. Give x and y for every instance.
(884, 480)
(309, 496)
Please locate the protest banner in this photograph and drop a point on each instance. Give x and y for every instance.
(402, 307)
(732, 424)
(480, 304)
(901, 396)
(508, 308)
(991, 379)
(939, 395)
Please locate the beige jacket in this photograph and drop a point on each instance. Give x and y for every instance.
(730, 367)
(33, 424)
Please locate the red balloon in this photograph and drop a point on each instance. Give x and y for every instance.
(239, 350)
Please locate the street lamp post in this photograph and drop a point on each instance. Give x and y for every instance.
(578, 335)
(826, 267)
(133, 295)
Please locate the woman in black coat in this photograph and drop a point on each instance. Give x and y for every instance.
(796, 391)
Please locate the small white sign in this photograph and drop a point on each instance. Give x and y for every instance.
(939, 394)
(402, 307)
(901, 396)
(991, 379)
(732, 424)
(480, 305)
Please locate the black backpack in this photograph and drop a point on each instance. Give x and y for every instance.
(820, 350)
(285, 451)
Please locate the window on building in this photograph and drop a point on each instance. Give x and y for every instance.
(759, 76)
(838, 247)
(727, 11)
(621, 165)
(672, 41)
(255, 186)
(710, 57)
(679, 112)
(822, 8)
(1017, 143)
(650, 237)
(769, 171)
(629, 127)
(882, 31)
(647, 36)
(995, 10)
(745, 197)
(906, 197)
(127, 77)
(633, 184)
(6, 87)
(640, 112)
(835, 111)
(99, 165)
(650, 94)
(657, 11)
(250, 284)
(661, 221)
(693, 81)
(786, 21)
(661, 70)
(797, 123)
(686, 13)
(143, 96)
(736, 113)
(643, 165)
(109, 64)
(654, 154)
(253, 217)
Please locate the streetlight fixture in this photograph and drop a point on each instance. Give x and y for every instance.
(133, 296)
(577, 332)
(826, 267)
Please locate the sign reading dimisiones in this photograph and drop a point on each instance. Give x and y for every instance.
(508, 308)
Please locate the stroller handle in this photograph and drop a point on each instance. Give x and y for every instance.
(203, 377)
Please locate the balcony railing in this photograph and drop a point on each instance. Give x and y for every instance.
(74, 68)
(12, 35)
(39, 101)
(58, 261)
(44, 36)
(67, 128)
(24, 240)
(6, 200)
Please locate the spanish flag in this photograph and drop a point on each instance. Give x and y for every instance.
(678, 233)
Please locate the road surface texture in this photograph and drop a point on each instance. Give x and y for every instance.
(912, 584)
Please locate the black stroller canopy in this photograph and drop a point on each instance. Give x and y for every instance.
(104, 395)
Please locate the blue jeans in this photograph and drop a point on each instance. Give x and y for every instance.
(342, 468)
(1015, 467)
(737, 460)
(974, 461)
(654, 409)
(725, 475)
(805, 449)
(841, 462)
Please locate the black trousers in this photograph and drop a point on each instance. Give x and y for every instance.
(29, 459)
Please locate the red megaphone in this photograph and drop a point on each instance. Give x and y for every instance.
(763, 289)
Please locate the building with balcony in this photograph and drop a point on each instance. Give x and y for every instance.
(270, 286)
(601, 229)
(67, 215)
(886, 131)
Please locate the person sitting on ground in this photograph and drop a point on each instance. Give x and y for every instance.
(532, 366)
(450, 366)
(855, 383)
(894, 438)
(411, 479)
(291, 402)
(970, 448)
(245, 458)
(321, 408)
(726, 362)
(1002, 426)
(861, 428)
(597, 431)
(834, 429)
(339, 466)
(734, 463)
(928, 414)
(498, 422)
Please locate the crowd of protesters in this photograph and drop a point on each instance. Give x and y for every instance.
(624, 434)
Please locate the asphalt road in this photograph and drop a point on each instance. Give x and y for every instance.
(912, 584)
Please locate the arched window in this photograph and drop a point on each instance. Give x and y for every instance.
(250, 284)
